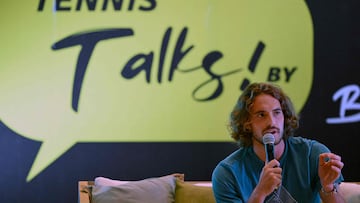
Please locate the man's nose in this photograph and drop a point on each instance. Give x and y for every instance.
(271, 120)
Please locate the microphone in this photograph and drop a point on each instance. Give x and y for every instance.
(268, 140)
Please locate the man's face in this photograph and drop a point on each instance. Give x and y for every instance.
(266, 116)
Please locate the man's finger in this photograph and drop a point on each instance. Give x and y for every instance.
(273, 164)
(326, 157)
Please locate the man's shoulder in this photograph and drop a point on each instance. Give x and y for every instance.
(237, 156)
(302, 142)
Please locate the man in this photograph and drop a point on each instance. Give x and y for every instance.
(303, 170)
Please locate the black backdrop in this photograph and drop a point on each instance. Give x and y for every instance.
(336, 64)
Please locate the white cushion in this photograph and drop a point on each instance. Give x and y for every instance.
(159, 190)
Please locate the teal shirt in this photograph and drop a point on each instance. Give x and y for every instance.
(235, 177)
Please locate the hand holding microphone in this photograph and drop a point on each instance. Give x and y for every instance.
(271, 174)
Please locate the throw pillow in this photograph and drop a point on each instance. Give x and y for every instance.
(159, 190)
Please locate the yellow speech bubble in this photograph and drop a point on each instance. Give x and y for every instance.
(155, 71)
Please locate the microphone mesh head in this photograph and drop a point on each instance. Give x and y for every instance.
(268, 138)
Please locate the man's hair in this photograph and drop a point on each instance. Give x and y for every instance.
(240, 115)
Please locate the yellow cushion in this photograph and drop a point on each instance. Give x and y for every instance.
(187, 192)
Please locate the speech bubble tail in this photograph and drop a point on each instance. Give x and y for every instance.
(48, 153)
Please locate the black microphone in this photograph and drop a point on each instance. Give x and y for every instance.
(268, 140)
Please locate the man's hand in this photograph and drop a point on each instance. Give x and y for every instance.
(270, 177)
(330, 166)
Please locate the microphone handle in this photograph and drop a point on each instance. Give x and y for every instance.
(269, 148)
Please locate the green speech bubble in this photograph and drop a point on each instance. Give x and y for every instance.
(222, 46)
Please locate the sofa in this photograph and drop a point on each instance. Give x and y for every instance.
(169, 188)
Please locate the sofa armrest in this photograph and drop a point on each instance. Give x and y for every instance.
(350, 191)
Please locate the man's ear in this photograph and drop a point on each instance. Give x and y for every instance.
(247, 127)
